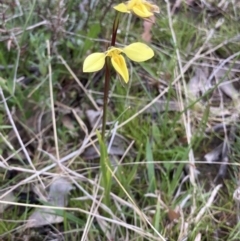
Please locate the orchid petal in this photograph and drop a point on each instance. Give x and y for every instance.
(132, 3)
(152, 7)
(113, 51)
(121, 8)
(142, 11)
(94, 62)
(119, 64)
(141, 8)
(138, 52)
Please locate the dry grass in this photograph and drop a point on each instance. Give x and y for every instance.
(172, 132)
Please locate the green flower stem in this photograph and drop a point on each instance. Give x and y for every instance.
(107, 75)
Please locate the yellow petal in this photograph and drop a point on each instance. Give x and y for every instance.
(113, 51)
(142, 11)
(152, 7)
(132, 3)
(119, 64)
(94, 62)
(121, 8)
(138, 52)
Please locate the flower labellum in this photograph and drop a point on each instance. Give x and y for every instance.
(138, 52)
(141, 8)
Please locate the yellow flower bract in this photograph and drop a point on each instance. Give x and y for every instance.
(141, 8)
(138, 52)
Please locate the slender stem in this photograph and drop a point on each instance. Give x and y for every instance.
(115, 28)
(106, 90)
(107, 75)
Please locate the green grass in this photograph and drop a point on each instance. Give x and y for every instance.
(147, 191)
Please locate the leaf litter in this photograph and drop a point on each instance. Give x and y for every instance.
(217, 84)
(209, 85)
(57, 197)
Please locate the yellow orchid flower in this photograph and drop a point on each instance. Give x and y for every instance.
(141, 8)
(138, 52)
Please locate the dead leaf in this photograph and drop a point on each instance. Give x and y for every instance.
(36, 123)
(173, 215)
(93, 116)
(68, 122)
(43, 217)
(214, 155)
(58, 192)
(57, 197)
(198, 85)
(7, 198)
(236, 195)
(226, 85)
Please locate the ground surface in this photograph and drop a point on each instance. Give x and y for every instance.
(173, 129)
